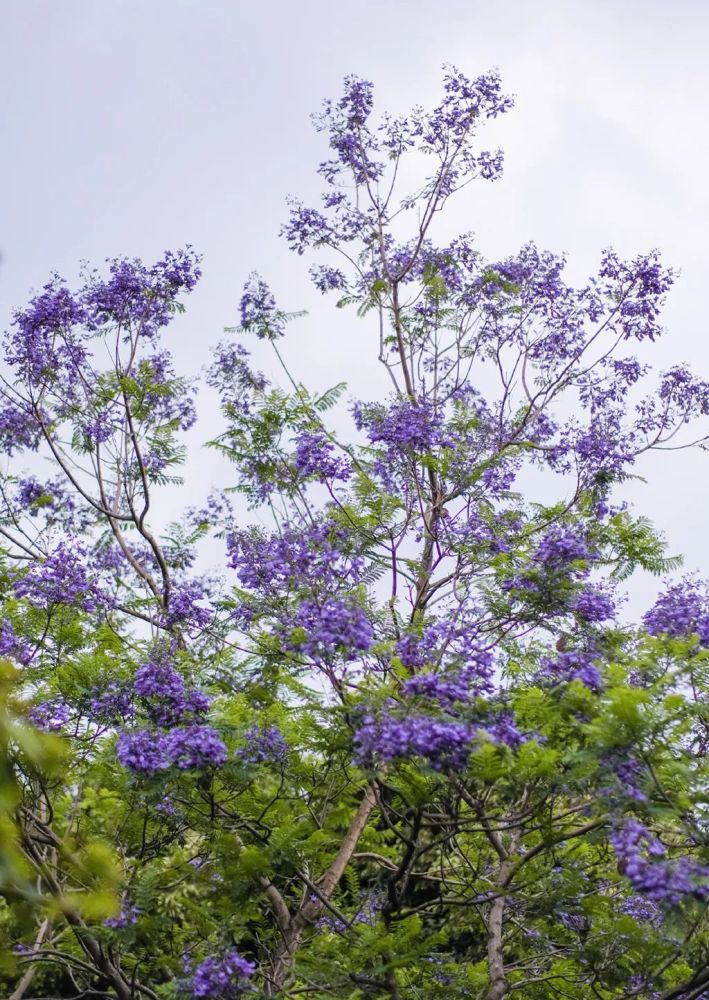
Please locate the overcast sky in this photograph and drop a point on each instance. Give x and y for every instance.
(132, 127)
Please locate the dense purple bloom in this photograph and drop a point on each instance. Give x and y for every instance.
(138, 297)
(148, 751)
(404, 425)
(18, 429)
(162, 687)
(573, 665)
(463, 670)
(561, 546)
(50, 716)
(223, 977)
(643, 861)
(641, 909)
(259, 313)
(639, 290)
(183, 607)
(504, 730)
(196, 746)
(296, 558)
(593, 605)
(43, 342)
(30, 490)
(263, 743)
(144, 751)
(12, 645)
(63, 578)
(682, 610)
(315, 456)
(441, 742)
(111, 704)
(330, 627)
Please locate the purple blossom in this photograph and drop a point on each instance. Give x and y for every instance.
(147, 751)
(441, 742)
(404, 425)
(223, 977)
(12, 645)
(50, 716)
(294, 559)
(327, 279)
(638, 290)
(593, 605)
(143, 751)
(504, 730)
(330, 627)
(574, 665)
(560, 547)
(62, 578)
(682, 610)
(43, 342)
(643, 860)
(263, 743)
(259, 313)
(19, 429)
(196, 746)
(137, 297)
(315, 456)
(641, 909)
(183, 607)
(306, 228)
(112, 703)
(163, 689)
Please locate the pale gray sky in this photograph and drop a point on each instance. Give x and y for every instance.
(132, 126)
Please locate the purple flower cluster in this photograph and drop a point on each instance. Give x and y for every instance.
(404, 426)
(330, 627)
(315, 456)
(138, 297)
(19, 429)
(162, 395)
(350, 138)
(146, 751)
(643, 861)
(50, 716)
(639, 289)
(593, 605)
(294, 559)
(263, 744)
(258, 311)
(574, 665)
(183, 608)
(112, 703)
(641, 909)
(560, 547)
(62, 578)
(443, 743)
(163, 690)
(462, 669)
(43, 343)
(12, 645)
(683, 610)
(222, 977)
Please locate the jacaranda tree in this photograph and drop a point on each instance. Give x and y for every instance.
(401, 743)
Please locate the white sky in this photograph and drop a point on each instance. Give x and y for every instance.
(133, 127)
